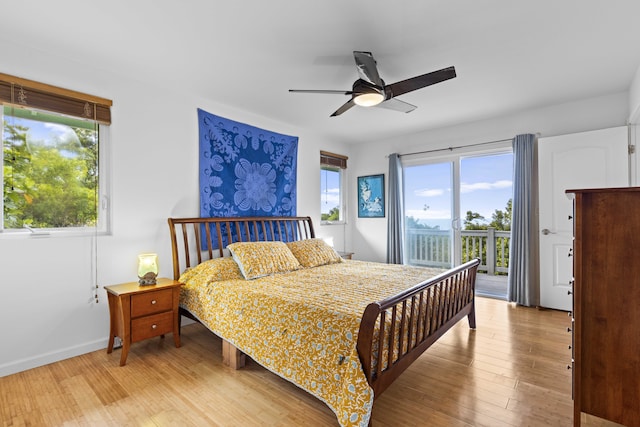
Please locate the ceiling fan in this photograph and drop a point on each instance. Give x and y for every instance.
(370, 90)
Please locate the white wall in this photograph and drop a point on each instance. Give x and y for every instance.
(47, 283)
(369, 234)
(634, 99)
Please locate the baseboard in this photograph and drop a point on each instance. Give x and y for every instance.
(55, 356)
(51, 357)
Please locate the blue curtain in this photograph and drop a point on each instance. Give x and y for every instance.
(395, 224)
(523, 249)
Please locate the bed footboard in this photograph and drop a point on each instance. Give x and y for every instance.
(395, 331)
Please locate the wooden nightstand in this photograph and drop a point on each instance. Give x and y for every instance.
(141, 312)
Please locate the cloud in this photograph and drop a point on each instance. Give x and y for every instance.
(59, 133)
(57, 128)
(429, 192)
(465, 188)
(429, 213)
(330, 198)
(468, 188)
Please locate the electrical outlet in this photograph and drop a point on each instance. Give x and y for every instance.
(117, 342)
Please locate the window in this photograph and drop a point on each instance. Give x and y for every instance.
(53, 159)
(332, 170)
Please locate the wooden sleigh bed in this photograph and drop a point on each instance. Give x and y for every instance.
(391, 332)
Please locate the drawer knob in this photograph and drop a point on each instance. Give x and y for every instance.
(154, 326)
(153, 302)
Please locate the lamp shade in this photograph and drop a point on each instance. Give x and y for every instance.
(368, 99)
(147, 269)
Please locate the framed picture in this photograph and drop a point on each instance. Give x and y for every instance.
(371, 196)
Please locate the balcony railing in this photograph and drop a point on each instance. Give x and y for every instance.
(429, 247)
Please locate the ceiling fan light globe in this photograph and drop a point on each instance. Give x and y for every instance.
(368, 99)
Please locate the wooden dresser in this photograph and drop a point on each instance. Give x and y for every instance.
(606, 299)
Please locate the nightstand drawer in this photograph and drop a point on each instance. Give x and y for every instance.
(151, 326)
(151, 302)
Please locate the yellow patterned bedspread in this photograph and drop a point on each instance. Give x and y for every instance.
(303, 325)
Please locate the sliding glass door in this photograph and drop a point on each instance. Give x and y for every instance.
(429, 206)
(458, 208)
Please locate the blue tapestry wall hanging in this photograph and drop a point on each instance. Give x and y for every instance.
(245, 170)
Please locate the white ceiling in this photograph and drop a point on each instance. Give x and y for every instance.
(509, 55)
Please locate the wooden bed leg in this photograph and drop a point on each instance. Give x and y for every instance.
(472, 316)
(231, 356)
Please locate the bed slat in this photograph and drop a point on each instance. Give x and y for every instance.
(187, 242)
(447, 298)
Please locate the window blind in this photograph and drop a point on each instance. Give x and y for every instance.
(21, 92)
(334, 160)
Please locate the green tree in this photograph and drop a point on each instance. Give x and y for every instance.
(502, 220)
(333, 215)
(15, 168)
(49, 185)
(412, 223)
(474, 221)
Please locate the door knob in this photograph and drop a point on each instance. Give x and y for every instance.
(546, 231)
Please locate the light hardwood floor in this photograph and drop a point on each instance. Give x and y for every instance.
(511, 371)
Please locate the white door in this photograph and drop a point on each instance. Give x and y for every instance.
(593, 159)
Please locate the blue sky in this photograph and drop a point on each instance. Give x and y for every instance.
(48, 132)
(47, 128)
(485, 185)
(329, 194)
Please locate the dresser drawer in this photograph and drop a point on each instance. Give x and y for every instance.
(151, 326)
(151, 302)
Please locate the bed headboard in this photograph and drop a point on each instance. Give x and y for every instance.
(194, 240)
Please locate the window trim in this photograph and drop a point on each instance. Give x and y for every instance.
(23, 93)
(336, 162)
(103, 226)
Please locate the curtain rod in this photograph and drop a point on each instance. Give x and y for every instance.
(456, 148)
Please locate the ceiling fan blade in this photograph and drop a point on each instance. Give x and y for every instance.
(340, 92)
(344, 107)
(419, 82)
(367, 67)
(397, 105)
